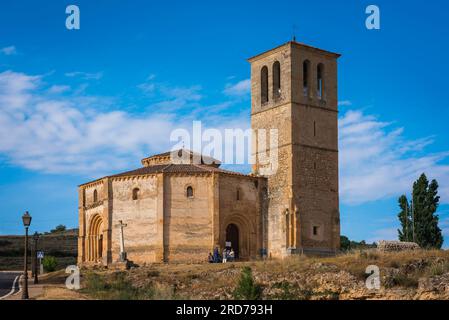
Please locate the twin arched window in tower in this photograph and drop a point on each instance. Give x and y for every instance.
(306, 84)
(264, 85)
(276, 72)
(276, 82)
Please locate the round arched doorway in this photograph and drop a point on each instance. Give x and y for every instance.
(96, 239)
(232, 238)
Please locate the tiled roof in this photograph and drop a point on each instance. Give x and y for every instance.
(204, 159)
(176, 168)
(173, 168)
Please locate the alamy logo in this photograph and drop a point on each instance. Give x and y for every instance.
(73, 280)
(73, 20)
(373, 280)
(373, 20)
(228, 146)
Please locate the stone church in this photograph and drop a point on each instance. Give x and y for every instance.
(179, 212)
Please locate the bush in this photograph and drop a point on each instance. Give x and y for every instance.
(49, 263)
(402, 280)
(247, 289)
(290, 291)
(438, 268)
(4, 243)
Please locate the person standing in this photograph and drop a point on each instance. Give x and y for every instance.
(216, 255)
(232, 255)
(225, 255)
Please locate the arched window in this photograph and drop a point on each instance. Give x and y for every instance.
(276, 79)
(238, 194)
(136, 193)
(264, 85)
(189, 192)
(320, 80)
(95, 195)
(305, 77)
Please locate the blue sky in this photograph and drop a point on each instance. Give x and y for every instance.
(79, 104)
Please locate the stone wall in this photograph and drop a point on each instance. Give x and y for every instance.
(188, 232)
(143, 241)
(303, 209)
(394, 246)
(240, 204)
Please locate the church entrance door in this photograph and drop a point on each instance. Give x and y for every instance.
(232, 236)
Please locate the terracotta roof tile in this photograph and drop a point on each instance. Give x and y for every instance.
(176, 168)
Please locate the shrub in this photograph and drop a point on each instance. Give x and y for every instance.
(95, 283)
(153, 273)
(403, 280)
(49, 263)
(437, 268)
(247, 288)
(4, 243)
(290, 291)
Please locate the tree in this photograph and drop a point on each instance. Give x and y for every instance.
(405, 217)
(60, 228)
(345, 243)
(247, 288)
(418, 219)
(50, 263)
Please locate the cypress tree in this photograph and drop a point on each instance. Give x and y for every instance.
(406, 234)
(419, 220)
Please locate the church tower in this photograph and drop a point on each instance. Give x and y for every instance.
(294, 90)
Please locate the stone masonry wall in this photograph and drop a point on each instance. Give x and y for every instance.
(141, 234)
(188, 235)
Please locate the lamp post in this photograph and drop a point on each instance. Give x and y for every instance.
(35, 272)
(26, 218)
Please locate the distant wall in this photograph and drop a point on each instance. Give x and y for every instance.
(392, 246)
(62, 245)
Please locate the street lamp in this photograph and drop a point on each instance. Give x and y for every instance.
(26, 218)
(36, 239)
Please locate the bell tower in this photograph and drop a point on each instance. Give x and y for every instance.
(294, 91)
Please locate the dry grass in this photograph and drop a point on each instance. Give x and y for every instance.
(297, 277)
(61, 293)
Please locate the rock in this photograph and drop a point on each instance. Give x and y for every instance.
(438, 284)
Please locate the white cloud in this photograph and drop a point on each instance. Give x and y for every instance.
(58, 89)
(147, 87)
(77, 134)
(85, 134)
(344, 103)
(170, 98)
(241, 88)
(377, 161)
(85, 75)
(55, 134)
(8, 51)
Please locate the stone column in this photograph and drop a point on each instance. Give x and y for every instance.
(215, 211)
(107, 221)
(82, 226)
